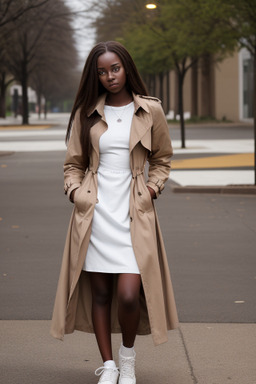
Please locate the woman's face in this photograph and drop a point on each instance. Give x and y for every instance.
(111, 72)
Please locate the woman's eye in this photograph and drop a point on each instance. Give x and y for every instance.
(101, 73)
(116, 69)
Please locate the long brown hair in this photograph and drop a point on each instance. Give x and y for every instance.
(90, 89)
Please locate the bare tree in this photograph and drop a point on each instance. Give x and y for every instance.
(12, 10)
(5, 79)
(55, 75)
(112, 15)
(39, 38)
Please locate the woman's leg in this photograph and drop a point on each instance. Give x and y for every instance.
(128, 291)
(101, 287)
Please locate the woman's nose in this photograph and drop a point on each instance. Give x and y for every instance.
(110, 76)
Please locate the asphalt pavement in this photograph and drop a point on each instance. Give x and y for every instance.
(210, 242)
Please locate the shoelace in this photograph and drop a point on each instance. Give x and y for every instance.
(128, 364)
(107, 372)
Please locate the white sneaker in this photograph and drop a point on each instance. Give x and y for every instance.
(127, 369)
(108, 375)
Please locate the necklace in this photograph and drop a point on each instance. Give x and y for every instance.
(119, 120)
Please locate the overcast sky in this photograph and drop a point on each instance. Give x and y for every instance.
(85, 36)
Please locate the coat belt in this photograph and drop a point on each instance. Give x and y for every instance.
(136, 173)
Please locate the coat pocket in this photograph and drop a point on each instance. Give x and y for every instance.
(85, 195)
(143, 200)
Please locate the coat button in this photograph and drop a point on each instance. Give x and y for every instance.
(131, 219)
(89, 191)
(139, 193)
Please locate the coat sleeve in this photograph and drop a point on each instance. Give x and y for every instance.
(74, 170)
(161, 150)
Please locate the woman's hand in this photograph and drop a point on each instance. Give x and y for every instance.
(152, 192)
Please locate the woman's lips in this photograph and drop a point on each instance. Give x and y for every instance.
(113, 85)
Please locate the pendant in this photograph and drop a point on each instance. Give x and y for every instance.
(119, 120)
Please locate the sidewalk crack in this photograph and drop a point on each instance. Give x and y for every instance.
(192, 373)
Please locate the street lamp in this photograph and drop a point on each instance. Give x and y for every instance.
(151, 6)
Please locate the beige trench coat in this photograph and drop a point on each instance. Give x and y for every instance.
(149, 141)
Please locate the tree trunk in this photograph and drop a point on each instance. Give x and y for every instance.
(181, 75)
(146, 80)
(25, 106)
(168, 101)
(45, 109)
(2, 96)
(153, 85)
(176, 95)
(207, 96)
(161, 86)
(194, 89)
(39, 104)
(2, 106)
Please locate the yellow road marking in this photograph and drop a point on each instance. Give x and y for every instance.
(23, 127)
(226, 161)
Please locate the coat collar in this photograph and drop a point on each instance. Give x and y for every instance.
(140, 124)
(139, 102)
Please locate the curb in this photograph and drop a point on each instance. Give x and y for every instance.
(229, 189)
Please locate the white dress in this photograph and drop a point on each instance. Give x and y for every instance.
(110, 248)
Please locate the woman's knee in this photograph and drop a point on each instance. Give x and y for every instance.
(128, 300)
(129, 291)
(101, 288)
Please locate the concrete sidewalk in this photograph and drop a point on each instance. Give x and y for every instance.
(213, 163)
(233, 166)
(51, 119)
(195, 353)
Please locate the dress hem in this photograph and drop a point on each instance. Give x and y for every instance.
(114, 273)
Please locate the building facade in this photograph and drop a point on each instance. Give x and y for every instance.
(220, 90)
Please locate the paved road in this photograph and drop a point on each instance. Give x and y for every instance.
(210, 241)
(211, 131)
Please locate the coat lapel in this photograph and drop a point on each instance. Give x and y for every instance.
(141, 124)
(96, 131)
(99, 128)
(139, 129)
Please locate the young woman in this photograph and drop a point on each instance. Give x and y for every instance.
(114, 275)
